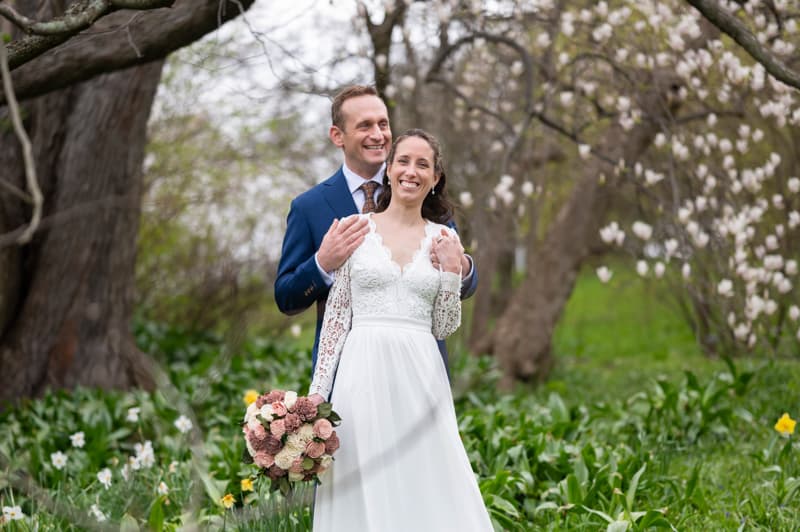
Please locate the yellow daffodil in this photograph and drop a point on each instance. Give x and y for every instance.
(227, 501)
(247, 484)
(785, 425)
(250, 396)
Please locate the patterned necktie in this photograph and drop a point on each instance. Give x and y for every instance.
(369, 196)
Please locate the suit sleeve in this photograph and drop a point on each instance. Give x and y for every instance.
(469, 283)
(299, 283)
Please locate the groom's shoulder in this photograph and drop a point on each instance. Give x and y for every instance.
(313, 195)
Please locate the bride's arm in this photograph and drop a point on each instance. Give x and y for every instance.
(335, 326)
(447, 305)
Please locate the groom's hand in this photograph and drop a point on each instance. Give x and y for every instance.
(342, 238)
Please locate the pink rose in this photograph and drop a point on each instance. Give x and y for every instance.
(277, 428)
(263, 460)
(297, 466)
(274, 395)
(315, 449)
(305, 408)
(261, 401)
(279, 409)
(332, 443)
(291, 422)
(259, 432)
(323, 429)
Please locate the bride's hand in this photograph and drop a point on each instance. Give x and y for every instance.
(447, 252)
(317, 399)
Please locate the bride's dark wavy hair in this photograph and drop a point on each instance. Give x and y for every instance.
(436, 207)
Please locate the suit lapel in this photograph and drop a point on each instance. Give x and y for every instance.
(338, 196)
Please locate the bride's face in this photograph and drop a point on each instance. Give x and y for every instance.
(411, 171)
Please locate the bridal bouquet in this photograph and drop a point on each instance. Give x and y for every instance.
(289, 438)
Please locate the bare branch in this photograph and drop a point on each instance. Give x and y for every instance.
(732, 26)
(17, 18)
(106, 47)
(27, 147)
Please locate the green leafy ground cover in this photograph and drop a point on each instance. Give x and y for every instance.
(635, 431)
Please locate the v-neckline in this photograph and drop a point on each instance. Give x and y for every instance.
(388, 252)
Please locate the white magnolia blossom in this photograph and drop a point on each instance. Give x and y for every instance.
(686, 270)
(295, 330)
(612, 234)
(641, 268)
(604, 274)
(793, 184)
(658, 269)
(642, 230)
(584, 150)
(794, 312)
(725, 288)
(465, 198)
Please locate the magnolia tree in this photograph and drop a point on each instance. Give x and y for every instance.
(557, 114)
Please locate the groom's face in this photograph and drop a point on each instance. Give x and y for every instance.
(366, 136)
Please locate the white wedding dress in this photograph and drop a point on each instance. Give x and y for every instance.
(401, 465)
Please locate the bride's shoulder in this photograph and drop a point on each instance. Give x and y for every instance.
(437, 228)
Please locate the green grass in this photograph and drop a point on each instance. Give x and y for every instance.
(635, 424)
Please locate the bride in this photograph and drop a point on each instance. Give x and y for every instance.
(401, 465)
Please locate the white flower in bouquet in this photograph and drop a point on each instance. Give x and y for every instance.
(266, 412)
(306, 432)
(58, 459)
(290, 399)
(325, 461)
(251, 411)
(285, 458)
(295, 477)
(78, 440)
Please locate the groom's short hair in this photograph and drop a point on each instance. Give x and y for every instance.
(337, 117)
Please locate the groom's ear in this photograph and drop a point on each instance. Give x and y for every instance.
(336, 136)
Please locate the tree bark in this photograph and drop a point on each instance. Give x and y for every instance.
(72, 286)
(524, 331)
(66, 298)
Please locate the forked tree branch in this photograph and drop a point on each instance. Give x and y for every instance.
(735, 29)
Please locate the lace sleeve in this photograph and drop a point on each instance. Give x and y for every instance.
(447, 305)
(335, 326)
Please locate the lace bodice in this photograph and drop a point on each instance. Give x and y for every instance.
(371, 284)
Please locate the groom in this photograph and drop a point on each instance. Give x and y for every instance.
(316, 242)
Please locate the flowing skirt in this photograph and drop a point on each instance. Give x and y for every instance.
(401, 465)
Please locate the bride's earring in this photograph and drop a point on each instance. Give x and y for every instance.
(433, 192)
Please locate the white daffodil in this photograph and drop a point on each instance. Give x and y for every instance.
(58, 459)
(183, 424)
(104, 477)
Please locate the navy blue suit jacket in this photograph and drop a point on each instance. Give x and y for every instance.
(299, 283)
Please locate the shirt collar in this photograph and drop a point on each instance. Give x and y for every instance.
(354, 180)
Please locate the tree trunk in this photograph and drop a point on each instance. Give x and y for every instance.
(66, 298)
(524, 331)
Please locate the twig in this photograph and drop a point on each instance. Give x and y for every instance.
(735, 29)
(27, 148)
